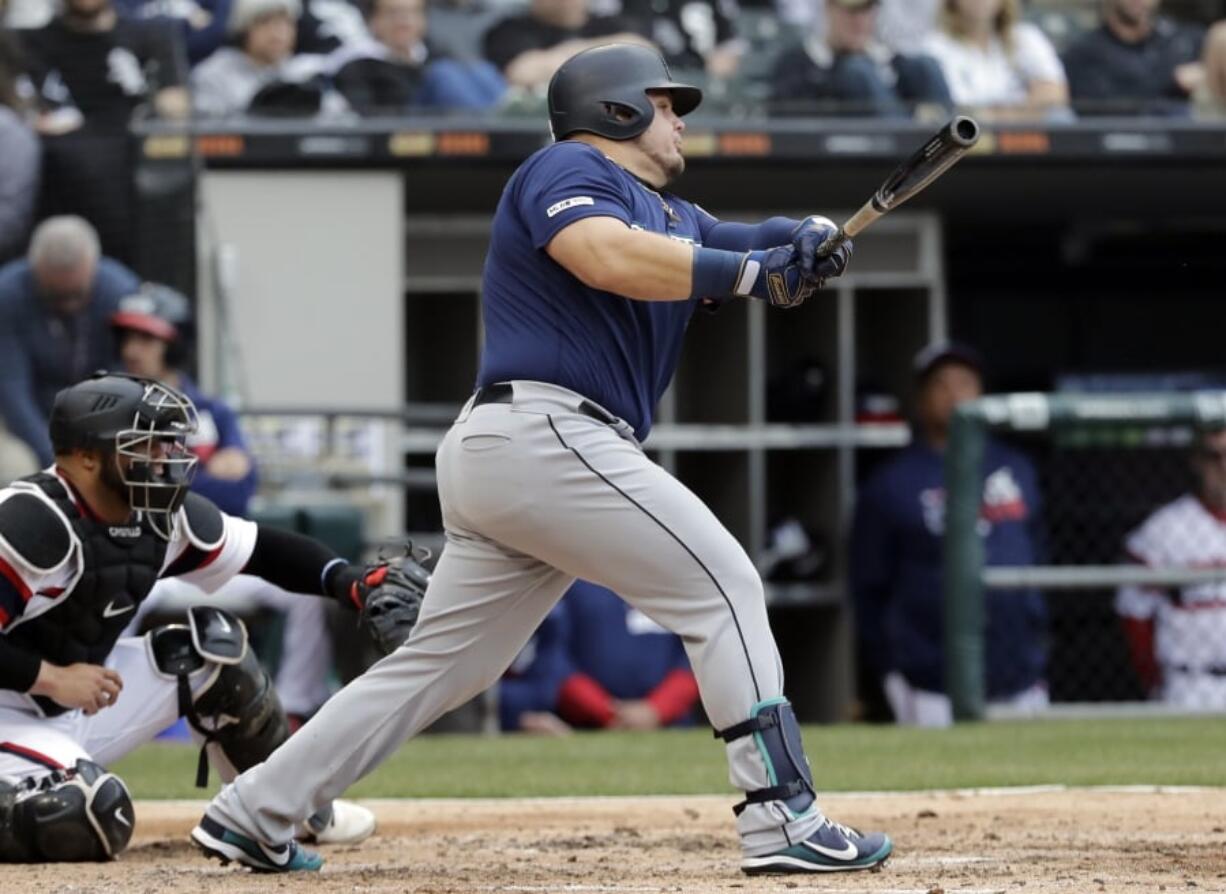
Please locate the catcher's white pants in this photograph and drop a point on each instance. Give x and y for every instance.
(534, 495)
(32, 745)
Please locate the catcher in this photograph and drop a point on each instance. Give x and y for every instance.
(81, 544)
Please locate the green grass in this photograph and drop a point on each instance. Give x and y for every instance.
(1166, 751)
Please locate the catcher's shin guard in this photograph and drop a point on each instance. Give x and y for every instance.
(83, 813)
(773, 725)
(238, 710)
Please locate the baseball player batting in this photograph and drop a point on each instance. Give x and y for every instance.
(592, 275)
(81, 545)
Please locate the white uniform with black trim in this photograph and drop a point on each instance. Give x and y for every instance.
(1189, 622)
(31, 742)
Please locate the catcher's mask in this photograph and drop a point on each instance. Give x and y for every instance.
(143, 426)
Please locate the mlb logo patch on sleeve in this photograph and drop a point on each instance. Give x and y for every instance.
(558, 207)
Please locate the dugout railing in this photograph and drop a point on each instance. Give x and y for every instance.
(965, 573)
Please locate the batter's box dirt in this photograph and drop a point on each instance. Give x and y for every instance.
(1134, 841)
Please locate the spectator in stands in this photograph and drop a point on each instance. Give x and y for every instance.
(896, 557)
(902, 25)
(597, 663)
(153, 327)
(528, 48)
(1177, 635)
(20, 157)
(92, 71)
(92, 67)
(995, 63)
(55, 308)
(201, 23)
(401, 68)
(694, 36)
(1136, 61)
(259, 68)
(852, 69)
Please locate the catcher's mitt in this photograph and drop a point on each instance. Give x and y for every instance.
(389, 595)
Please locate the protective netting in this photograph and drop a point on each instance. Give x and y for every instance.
(1129, 512)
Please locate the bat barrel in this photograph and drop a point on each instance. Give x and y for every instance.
(964, 131)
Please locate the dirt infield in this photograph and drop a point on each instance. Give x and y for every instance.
(1012, 841)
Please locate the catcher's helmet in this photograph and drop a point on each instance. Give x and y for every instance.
(604, 91)
(162, 312)
(142, 422)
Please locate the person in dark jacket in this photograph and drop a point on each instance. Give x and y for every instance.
(1135, 62)
(851, 70)
(400, 68)
(896, 557)
(55, 307)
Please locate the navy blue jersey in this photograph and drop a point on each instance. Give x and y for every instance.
(543, 324)
(896, 568)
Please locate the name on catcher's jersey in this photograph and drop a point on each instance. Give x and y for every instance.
(543, 324)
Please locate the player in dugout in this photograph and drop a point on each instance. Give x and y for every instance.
(81, 545)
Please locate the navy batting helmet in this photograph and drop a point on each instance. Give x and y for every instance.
(604, 91)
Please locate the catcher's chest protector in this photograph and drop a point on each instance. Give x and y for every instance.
(120, 565)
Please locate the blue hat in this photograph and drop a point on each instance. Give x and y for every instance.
(939, 353)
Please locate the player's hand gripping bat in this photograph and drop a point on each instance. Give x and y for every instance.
(927, 163)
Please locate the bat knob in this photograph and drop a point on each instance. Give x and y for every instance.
(827, 248)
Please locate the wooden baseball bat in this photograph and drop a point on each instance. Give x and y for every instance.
(928, 162)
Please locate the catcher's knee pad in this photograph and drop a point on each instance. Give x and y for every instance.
(83, 813)
(237, 709)
(776, 734)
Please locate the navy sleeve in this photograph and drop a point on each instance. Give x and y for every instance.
(565, 184)
(873, 546)
(748, 237)
(18, 408)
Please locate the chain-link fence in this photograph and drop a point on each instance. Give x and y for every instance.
(1133, 561)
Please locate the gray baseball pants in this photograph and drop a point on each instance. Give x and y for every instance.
(536, 493)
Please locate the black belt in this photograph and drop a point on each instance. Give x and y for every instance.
(1215, 670)
(504, 393)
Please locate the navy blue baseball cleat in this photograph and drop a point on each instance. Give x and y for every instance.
(832, 848)
(225, 844)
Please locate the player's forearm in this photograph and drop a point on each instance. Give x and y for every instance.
(299, 564)
(632, 263)
(747, 237)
